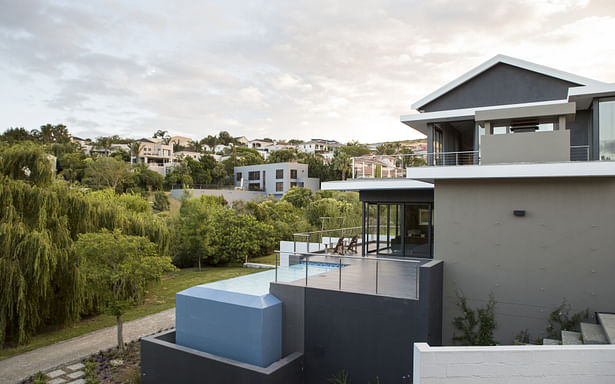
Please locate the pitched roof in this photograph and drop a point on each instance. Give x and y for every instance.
(548, 71)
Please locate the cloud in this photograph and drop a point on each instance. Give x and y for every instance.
(301, 69)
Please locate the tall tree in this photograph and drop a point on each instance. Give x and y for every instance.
(282, 156)
(118, 268)
(54, 133)
(106, 172)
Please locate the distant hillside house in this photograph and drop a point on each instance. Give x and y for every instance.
(179, 155)
(180, 140)
(275, 179)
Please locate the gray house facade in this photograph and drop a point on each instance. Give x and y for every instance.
(514, 196)
(275, 179)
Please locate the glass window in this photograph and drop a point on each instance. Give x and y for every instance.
(279, 187)
(606, 129)
(293, 184)
(293, 173)
(254, 175)
(279, 173)
(238, 176)
(416, 230)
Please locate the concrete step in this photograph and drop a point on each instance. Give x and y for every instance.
(571, 338)
(550, 342)
(593, 334)
(607, 320)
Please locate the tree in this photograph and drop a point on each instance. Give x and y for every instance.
(106, 172)
(282, 156)
(179, 175)
(160, 134)
(16, 135)
(298, 197)
(196, 229)
(118, 268)
(105, 143)
(161, 201)
(26, 161)
(54, 133)
(144, 179)
(135, 150)
(317, 167)
(72, 166)
(342, 163)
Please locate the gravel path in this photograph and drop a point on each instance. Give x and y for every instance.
(20, 367)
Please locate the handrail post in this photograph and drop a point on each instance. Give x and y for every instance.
(276, 267)
(306, 269)
(376, 276)
(340, 277)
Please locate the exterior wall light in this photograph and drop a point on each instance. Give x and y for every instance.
(519, 212)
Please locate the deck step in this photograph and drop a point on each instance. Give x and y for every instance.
(550, 342)
(593, 334)
(571, 338)
(607, 320)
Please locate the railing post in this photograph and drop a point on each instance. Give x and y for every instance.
(340, 277)
(306, 269)
(376, 276)
(276, 267)
(353, 167)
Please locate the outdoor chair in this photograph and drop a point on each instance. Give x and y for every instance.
(352, 246)
(339, 247)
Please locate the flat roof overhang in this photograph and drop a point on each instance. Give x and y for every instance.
(419, 121)
(374, 185)
(584, 96)
(514, 171)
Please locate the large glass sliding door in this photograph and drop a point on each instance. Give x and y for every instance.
(398, 229)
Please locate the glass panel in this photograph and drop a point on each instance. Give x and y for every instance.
(371, 227)
(416, 231)
(394, 233)
(606, 129)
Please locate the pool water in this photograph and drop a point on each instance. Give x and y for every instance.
(258, 283)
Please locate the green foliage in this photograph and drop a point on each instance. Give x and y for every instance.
(341, 377)
(282, 156)
(144, 179)
(299, 197)
(43, 281)
(476, 327)
(523, 337)
(39, 378)
(561, 320)
(90, 372)
(161, 201)
(106, 172)
(27, 162)
(118, 268)
(16, 135)
(317, 167)
(53, 133)
(179, 175)
(71, 166)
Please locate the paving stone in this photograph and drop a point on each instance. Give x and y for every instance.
(80, 381)
(550, 342)
(76, 374)
(56, 373)
(57, 381)
(571, 338)
(608, 323)
(76, 367)
(593, 334)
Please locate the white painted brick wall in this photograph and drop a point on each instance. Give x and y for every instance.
(561, 364)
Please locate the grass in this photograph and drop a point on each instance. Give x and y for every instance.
(269, 259)
(159, 297)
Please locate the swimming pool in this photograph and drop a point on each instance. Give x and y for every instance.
(258, 283)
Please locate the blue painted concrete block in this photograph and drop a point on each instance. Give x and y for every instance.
(239, 326)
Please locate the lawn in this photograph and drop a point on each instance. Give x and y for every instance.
(269, 259)
(159, 297)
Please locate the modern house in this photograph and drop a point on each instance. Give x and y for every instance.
(275, 179)
(513, 198)
(180, 140)
(184, 153)
(156, 154)
(318, 146)
(514, 195)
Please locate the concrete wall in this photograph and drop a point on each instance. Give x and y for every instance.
(562, 248)
(163, 362)
(526, 147)
(502, 84)
(561, 364)
(229, 195)
(369, 336)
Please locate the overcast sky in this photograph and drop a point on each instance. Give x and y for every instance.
(284, 69)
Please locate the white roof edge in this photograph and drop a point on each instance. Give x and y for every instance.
(470, 112)
(505, 60)
(511, 171)
(591, 89)
(374, 184)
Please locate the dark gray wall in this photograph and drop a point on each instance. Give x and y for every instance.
(164, 362)
(499, 85)
(580, 128)
(370, 336)
(397, 196)
(292, 298)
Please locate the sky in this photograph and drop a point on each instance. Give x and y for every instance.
(343, 70)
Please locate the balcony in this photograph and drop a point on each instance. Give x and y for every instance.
(395, 166)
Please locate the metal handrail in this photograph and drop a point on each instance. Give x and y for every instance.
(308, 235)
(340, 257)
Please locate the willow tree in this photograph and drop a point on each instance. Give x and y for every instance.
(118, 268)
(43, 282)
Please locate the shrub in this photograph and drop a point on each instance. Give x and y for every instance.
(561, 320)
(476, 326)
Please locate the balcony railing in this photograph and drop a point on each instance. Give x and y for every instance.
(394, 166)
(388, 166)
